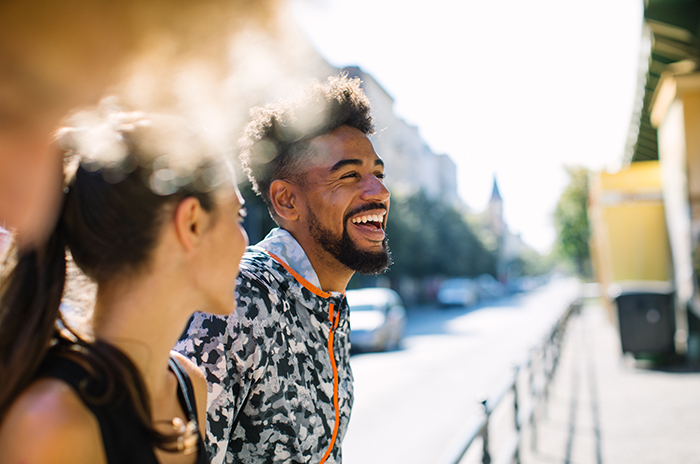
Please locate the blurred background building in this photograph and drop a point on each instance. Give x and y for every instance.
(412, 165)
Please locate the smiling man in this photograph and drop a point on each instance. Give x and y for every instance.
(278, 367)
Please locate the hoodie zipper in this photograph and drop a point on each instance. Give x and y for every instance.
(333, 317)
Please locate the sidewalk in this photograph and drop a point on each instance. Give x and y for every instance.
(604, 409)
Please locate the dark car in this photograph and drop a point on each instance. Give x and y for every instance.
(377, 319)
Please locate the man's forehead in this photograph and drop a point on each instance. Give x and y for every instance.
(342, 147)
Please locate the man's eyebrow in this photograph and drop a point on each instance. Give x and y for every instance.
(354, 162)
(346, 162)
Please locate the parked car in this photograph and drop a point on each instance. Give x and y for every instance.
(489, 287)
(458, 292)
(377, 319)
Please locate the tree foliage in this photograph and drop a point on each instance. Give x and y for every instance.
(428, 238)
(571, 222)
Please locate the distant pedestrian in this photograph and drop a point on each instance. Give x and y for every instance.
(144, 216)
(280, 379)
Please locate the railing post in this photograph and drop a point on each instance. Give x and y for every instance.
(515, 401)
(533, 406)
(545, 377)
(516, 412)
(486, 456)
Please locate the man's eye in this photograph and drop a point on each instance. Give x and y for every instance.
(348, 175)
(381, 175)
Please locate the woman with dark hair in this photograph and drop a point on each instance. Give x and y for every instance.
(152, 214)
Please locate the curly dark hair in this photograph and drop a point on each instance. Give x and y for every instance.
(276, 140)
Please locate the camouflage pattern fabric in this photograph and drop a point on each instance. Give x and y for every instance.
(273, 388)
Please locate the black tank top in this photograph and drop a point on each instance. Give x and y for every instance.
(125, 440)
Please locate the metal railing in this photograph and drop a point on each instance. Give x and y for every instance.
(539, 367)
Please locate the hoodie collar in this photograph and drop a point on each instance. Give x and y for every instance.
(281, 243)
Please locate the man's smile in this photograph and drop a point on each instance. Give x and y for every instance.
(376, 220)
(370, 225)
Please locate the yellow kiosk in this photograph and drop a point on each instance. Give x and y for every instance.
(631, 256)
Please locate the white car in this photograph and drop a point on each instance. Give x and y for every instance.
(377, 319)
(458, 292)
(489, 287)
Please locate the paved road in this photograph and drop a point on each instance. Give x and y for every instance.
(413, 403)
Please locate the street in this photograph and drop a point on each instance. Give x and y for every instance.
(413, 403)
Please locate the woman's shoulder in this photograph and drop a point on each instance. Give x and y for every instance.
(199, 385)
(195, 373)
(199, 381)
(48, 423)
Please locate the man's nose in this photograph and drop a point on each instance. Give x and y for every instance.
(375, 190)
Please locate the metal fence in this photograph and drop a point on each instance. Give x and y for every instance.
(537, 372)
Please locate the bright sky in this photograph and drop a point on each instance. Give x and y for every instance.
(512, 88)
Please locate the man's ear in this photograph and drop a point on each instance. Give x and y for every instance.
(190, 221)
(284, 200)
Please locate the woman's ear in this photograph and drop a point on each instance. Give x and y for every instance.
(190, 222)
(284, 200)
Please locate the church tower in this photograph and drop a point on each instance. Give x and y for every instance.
(495, 209)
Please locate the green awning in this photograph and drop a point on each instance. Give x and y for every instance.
(674, 27)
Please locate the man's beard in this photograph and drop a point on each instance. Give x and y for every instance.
(346, 252)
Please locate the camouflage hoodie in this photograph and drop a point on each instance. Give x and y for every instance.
(280, 384)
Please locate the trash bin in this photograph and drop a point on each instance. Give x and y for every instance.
(646, 316)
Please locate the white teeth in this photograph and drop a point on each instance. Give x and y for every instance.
(369, 218)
